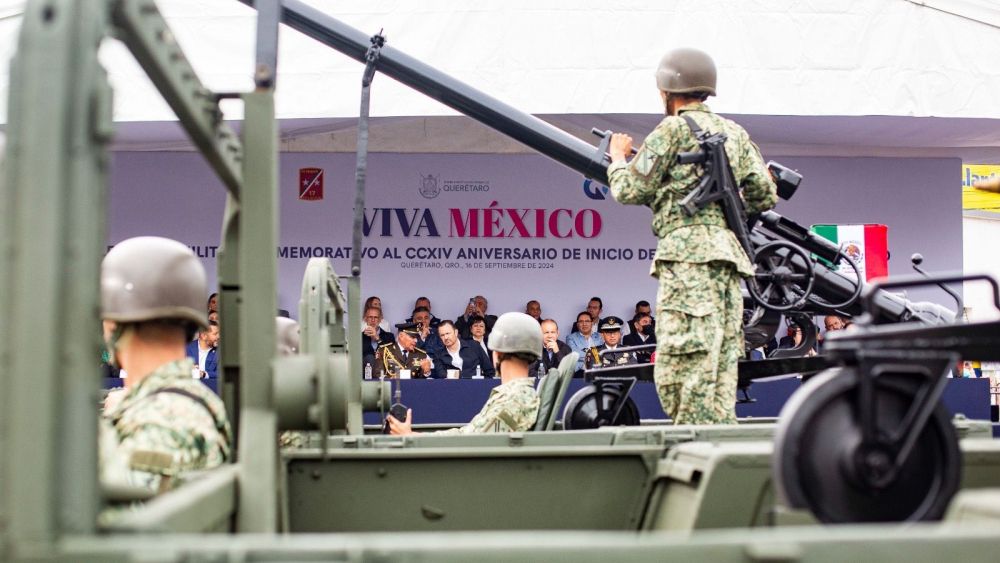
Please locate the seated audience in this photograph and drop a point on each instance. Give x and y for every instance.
(461, 355)
(427, 337)
(203, 351)
(611, 333)
(553, 349)
(595, 306)
(642, 308)
(476, 308)
(477, 332)
(534, 310)
(587, 337)
(834, 323)
(642, 333)
(374, 301)
(794, 338)
(372, 336)
(513, 405)
(403, 354)
(425, 303)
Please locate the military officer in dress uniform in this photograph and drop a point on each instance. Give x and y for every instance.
(402, 354)
(611, 332)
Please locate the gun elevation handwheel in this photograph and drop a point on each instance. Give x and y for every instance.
(779, 283)
(820, 463)
(594, 406)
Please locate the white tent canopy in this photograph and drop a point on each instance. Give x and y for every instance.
(916, 77)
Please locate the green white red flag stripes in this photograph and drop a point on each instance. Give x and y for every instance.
(867, 245)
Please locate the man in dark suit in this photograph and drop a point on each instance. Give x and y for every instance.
(424, 302)
(642, 308)
(202, 350)
(642, 333)
(476, 308)
(462, 355)
(553, 350)
(373, 336)
(427, 338)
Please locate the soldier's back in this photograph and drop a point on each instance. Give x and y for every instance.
(166, 425)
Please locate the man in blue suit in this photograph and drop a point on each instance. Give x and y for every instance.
(204, 353)
(463, 355)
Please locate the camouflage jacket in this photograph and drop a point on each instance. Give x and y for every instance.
(157, 432)
(654, 179)
(512, 407)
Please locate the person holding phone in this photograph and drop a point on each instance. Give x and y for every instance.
(476, 308)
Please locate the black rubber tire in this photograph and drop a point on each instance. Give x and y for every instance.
(818, 431)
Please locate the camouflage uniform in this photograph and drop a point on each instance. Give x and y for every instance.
(512, 407)
(698, 263)
(292, 439)
(152, 437)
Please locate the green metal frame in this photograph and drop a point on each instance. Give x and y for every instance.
(53, 240)
(52, 237)
(55, 191)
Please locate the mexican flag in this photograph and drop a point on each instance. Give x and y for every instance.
(867, 245)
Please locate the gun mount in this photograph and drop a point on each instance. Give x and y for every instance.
(316, 389)
(873, 430)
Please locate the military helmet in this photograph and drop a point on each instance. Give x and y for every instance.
(686, 70)
(287, 333)
(148, 278)
(516, 333)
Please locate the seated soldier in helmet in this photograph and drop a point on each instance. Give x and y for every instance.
(516, 342)
(164, 423)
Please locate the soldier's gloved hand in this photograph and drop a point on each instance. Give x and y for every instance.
(620, 146)
(401, 427)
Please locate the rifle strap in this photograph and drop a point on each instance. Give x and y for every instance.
(693, 125)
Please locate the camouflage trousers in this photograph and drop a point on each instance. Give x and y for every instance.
(699, 339)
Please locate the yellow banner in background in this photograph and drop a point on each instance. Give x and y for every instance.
(973, 199)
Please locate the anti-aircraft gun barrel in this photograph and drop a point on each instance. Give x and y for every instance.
(516, 124)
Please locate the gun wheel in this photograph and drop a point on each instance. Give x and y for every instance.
(593, 407)
(781, 283)
(819, 464)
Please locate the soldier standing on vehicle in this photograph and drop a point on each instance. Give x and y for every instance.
(165, 423)
(698, 260)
